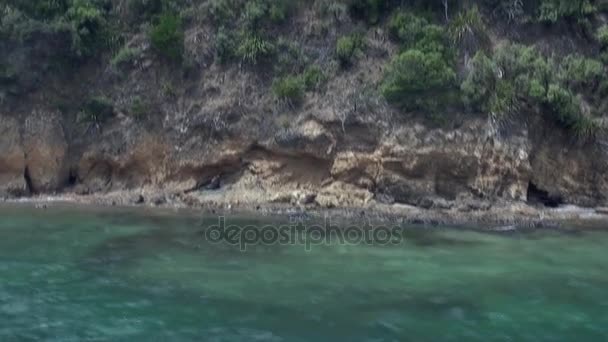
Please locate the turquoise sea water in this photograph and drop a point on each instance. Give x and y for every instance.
(123, 275)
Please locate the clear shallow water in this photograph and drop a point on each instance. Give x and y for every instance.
(73, 275)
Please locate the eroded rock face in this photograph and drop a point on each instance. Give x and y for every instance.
(416, 163)
(122, 159)
(569, 171)
(12, 159)
(45, 149)
(467, 168)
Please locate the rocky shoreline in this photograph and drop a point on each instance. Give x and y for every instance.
(498, 217)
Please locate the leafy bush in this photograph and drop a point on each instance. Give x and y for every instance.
(313, 77)
(255, 11)
(407, 28)
(551, 11)
(525, 67)
(504, 101)
(139, 109)
(562, 102)
(566, 107)
(244, 27)
(414, 32)
(125, 55)
(222, 11)
(84, 20)
(88, 25)
(479, 85)
(289, 88)
(167, 37)
(468, 29)
(546, 11)
(579, 72)
(602, 37)
(527, 78)
(290, 57)
(416, 80)
(97, 109)
(347, 47)
(258, 12)
(433, 39)
(224, 45)
(252, 49)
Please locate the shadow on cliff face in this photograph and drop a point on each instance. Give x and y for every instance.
(537, 196)
(28, 181)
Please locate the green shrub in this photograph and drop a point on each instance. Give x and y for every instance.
(259, 12)
(290, 57)
(528, 78)
(88, 25)
(468, 30)
(564, 104)
(313, 77)
(347, 47)
(222, 11)
(604, 57)
(139, 109)
(279, 10)
(413, 32)
(252, 49)
(289, 88)
(86, 21)
(244, 27)
(255, 11)
(433, 39)
(602, 38)
(525, 67)
(125, 55)
(417, 81)
(224, 45)
(504, 100)
(479, 85)
(566, 108)
(551, 11)
(586, 128)
(407, 28)
(331, 9)
(97, 109)
(167, 37)
(515, 59)
(579, 72)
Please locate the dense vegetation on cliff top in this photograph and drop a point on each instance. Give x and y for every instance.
(450, 55)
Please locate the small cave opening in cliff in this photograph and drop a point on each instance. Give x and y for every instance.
(72, 178)
(28, 181)
(538, 196)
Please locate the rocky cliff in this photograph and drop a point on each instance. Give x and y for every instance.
(215, 133)
(313, 159)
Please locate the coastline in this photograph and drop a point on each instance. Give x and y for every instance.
(498, 217)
